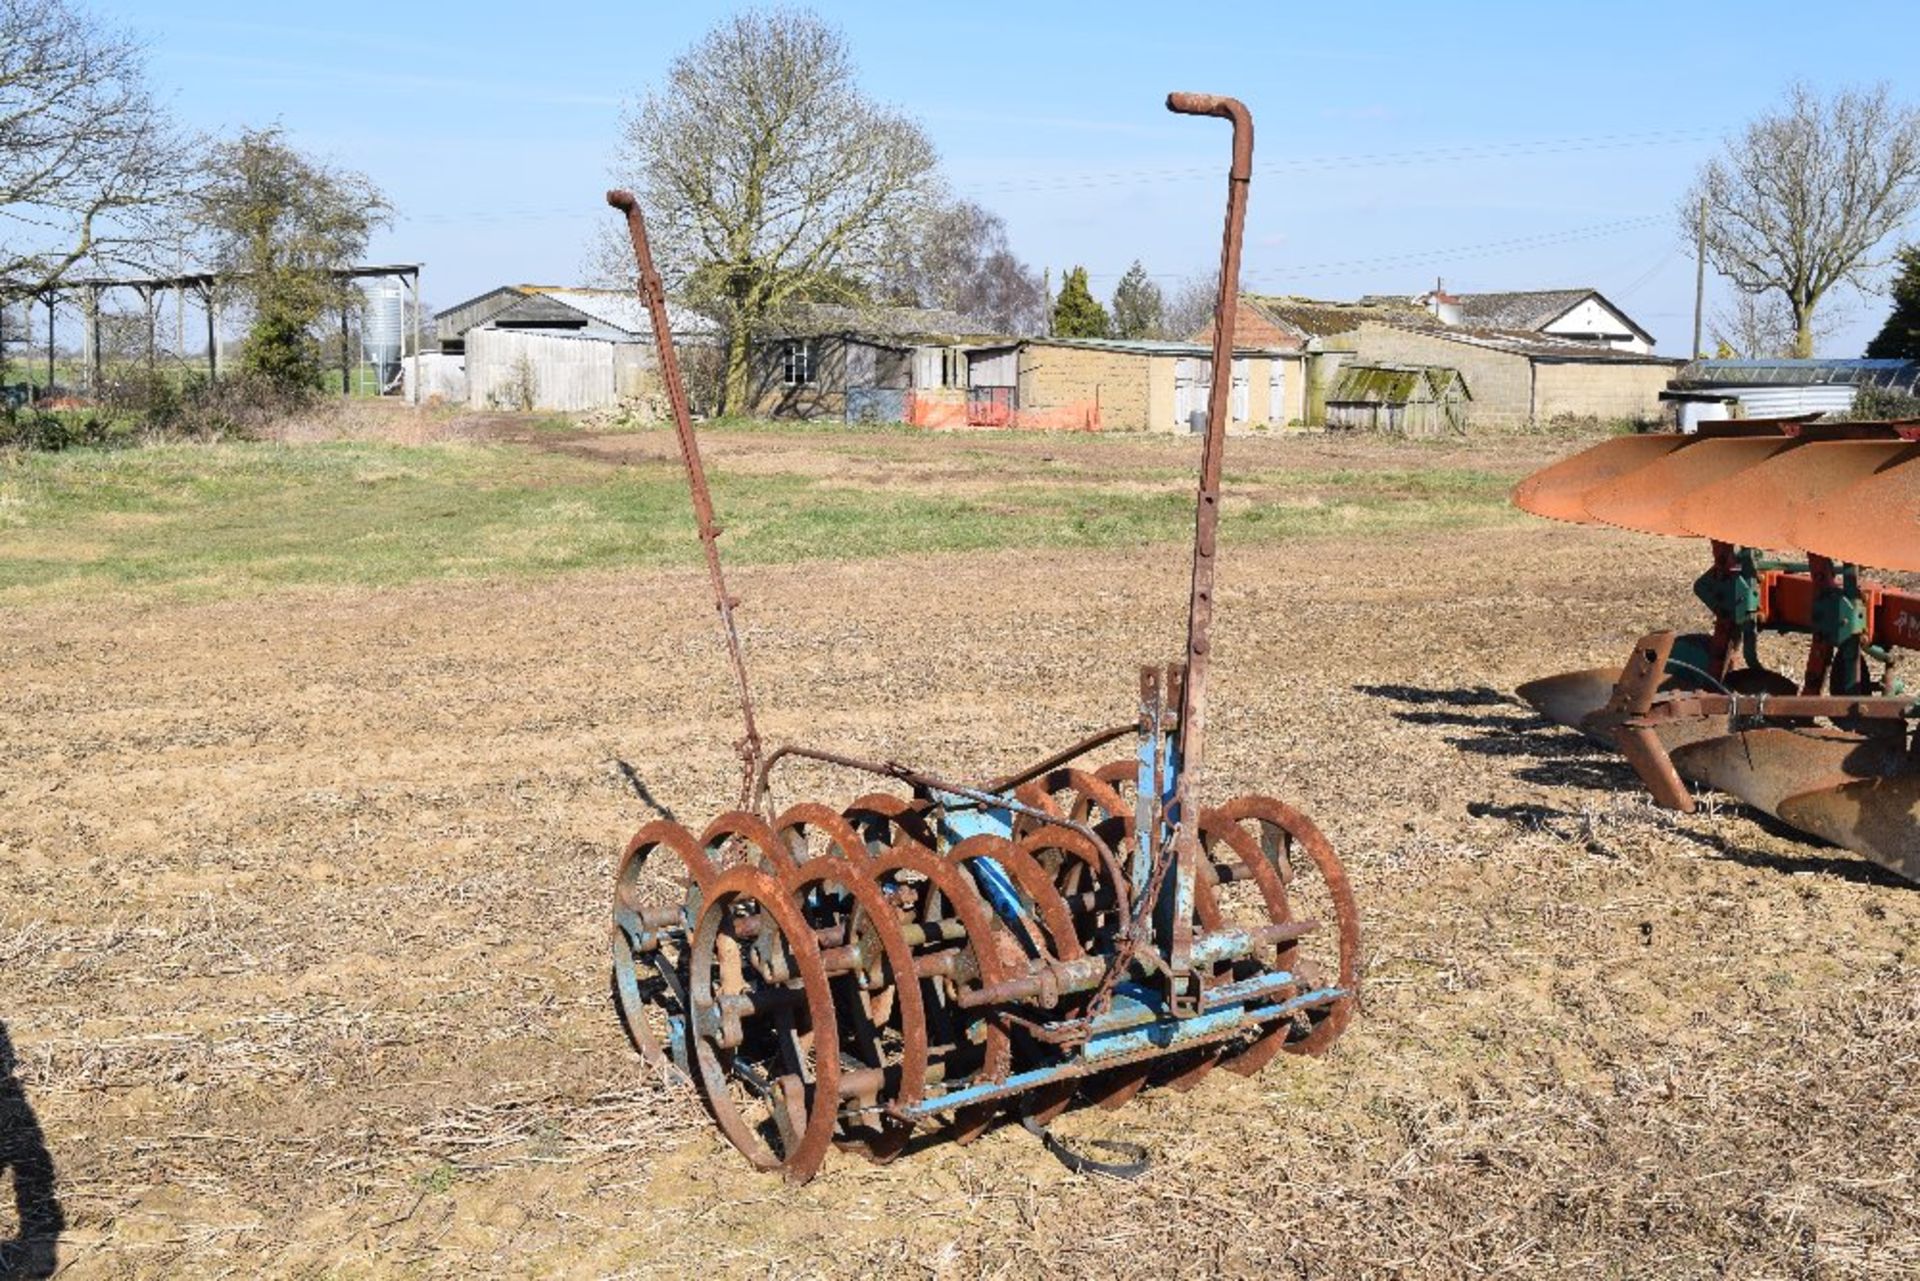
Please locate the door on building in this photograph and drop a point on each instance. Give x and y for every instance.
(1277, 391)
(1192, 384)
(1242, 376)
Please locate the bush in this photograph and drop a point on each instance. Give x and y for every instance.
(52, 431)
(1884, 402)
(138, 405)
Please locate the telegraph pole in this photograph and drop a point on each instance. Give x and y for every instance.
(1699, 274)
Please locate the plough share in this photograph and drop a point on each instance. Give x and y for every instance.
(1830, 750)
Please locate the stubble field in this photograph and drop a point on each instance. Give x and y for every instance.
(303, 892)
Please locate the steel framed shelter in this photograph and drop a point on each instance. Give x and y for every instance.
(203, 286)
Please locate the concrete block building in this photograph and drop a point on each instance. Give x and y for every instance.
(1520, 380)
(1526, 358)
(1117, 384)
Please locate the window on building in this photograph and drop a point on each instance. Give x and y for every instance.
(796, 363)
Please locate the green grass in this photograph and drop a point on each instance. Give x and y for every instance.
(239, 519)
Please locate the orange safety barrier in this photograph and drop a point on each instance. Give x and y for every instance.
(943, 414)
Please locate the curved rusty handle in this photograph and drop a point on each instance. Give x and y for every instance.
(1215, 104)
(654, 295)
(1193, 694)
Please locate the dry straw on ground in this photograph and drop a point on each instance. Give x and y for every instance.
(302, 926)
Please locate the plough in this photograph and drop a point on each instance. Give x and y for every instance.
(1831, 751)
(848, 975)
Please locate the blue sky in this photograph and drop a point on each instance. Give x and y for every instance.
(1497, 145)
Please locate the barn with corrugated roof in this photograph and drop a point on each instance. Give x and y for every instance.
(558, 348)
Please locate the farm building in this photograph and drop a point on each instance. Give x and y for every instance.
(554, 348)
(1574, 315)
(861, 364)
(1408, 400)
(1520, 379)
(1124, 384)
(1708, 390)
(1530, 356)
(1282, 323)
(1577, 315)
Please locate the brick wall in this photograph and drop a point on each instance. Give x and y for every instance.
(1251, 328)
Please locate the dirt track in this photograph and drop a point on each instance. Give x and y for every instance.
(302, 933)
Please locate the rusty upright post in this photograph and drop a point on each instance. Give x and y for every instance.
(654, 296)
(1193, 723)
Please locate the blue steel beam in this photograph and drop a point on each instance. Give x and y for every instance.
(1150, 1041)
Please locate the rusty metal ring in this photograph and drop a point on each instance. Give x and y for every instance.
(1100, 857)
(794, 821)
(1278, 817)
(1089, 790)
(628, 930)
(978, 921)
(808, 1148)
(904, 820)
(745, 829)
(1118, 774)
(1033, 882)
(871, 905)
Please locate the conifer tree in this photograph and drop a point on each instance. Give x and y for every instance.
(1075, 313)
(1138, 309)
(1899, 338)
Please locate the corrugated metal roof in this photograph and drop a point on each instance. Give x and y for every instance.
(1538, 346)
(1902, 375)
(1144, 346)
(614, 308)
(454, 321)
(619, 309)
(816, 319)
(1519, 309)
(1515, 311)
(1314, 318)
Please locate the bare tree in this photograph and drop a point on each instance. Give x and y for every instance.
(1189, 308)
(1757, 326)
(957, 256)
(1800, 202)
(768, 177)
(89, 163)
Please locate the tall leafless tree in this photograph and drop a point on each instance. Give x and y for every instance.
(90, 165)
(1189, 308)
(1757, 326)
(957, 256)
(768, 177)
(1802, 199)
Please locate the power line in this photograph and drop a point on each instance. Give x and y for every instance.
(1454, 154)
(1483, 249)
(1361, 160)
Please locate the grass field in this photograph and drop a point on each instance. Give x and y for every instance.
(316, 760)
(220, 520)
